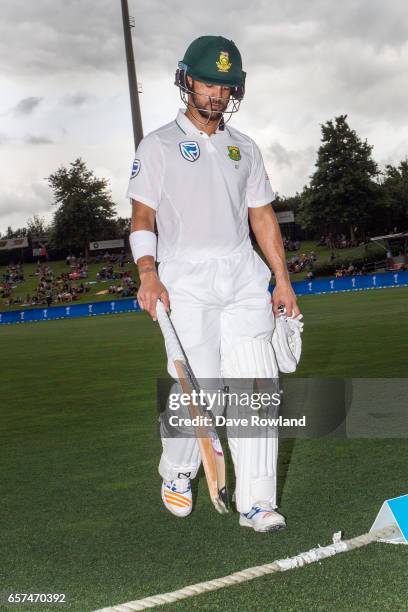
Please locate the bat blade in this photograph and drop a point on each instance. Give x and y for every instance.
(209, 444)
(211, 452)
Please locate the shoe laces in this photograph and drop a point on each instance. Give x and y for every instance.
(179, 485)
(260, 507)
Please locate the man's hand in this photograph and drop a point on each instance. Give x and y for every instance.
(152, 289)
(266, 229)
(284, 294)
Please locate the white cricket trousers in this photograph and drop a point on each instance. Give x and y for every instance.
(216, 304)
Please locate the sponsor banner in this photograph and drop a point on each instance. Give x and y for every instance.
(351, 283)
(69, 311)
(107, 244)
(7, 244)
(328, 285)
(286, 216)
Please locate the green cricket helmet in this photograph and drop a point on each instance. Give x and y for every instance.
(215, 60)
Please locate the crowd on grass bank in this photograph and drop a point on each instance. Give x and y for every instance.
(290, 245)
(340, 241)
(119, 259)
(298, 263)
(50, 289)
(68, 286)
(13, 275)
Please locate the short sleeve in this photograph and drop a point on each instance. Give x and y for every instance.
(146, 177)
(259, 191)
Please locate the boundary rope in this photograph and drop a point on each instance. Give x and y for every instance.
(281, 565)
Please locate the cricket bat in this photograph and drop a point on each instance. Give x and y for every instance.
(209, 443)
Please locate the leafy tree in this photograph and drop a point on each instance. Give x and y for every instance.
(395, 188)
(122, 226)
(343, 191)
(86, 211)
(37, 226)
(20, 232)
(287, 203)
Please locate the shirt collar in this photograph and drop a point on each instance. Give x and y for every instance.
(188, 126)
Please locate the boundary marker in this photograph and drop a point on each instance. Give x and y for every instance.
(281, 565)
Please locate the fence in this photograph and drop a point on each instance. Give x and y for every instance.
(327, 285)
(71, 311)
(351, 283)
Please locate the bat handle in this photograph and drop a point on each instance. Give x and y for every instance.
(160, 310)
(173, 347)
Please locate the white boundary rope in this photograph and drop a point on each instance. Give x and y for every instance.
(282, 565)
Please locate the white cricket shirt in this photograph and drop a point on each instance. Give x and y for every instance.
(200, 187)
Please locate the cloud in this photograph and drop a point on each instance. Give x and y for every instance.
(26, 106)
(20, 201)
(60, 38)
(78, 99)
(38, 140)
(306, 63)
(282, 160)
(4, 139)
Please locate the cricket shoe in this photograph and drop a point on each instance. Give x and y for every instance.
(262, 517)
(177, 497)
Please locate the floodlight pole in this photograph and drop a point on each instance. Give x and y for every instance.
(128, 24)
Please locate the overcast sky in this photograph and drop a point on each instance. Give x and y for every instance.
(64, 89)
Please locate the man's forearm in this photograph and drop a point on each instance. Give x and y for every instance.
(143, 219)
(268, 236)
(146, 265)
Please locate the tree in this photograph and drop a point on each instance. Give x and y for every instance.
(287, 203)
(395, 187)
(20, 232)
(343, 191)
(122, 226)
(37, 226)
(86, 211)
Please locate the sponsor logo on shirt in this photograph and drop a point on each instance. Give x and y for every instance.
(190, 150)
(234, 153)
(135, 168)
(223, 63)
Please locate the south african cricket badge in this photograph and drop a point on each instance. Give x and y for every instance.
(234, 153)
(223, 62)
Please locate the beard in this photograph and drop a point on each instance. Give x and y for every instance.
(208, 114)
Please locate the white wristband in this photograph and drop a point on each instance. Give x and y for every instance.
(142, 243)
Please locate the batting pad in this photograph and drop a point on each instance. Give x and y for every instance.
(393, 513)
(254, 458)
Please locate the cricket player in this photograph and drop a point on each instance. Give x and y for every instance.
(200, 179)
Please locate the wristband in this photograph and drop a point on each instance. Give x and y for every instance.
(142, 243)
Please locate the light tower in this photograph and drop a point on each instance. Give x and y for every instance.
(128, 24)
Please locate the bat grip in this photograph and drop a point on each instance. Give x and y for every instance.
(173, 347)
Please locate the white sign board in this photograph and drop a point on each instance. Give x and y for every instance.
(286, 216)
(7, 244)
(107, 244)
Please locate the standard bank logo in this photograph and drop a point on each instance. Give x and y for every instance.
(135, 168)
(190, 150)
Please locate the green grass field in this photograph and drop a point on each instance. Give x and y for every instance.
(81, 508)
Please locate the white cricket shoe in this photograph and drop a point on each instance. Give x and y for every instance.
(262, 517)
(177, 497)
